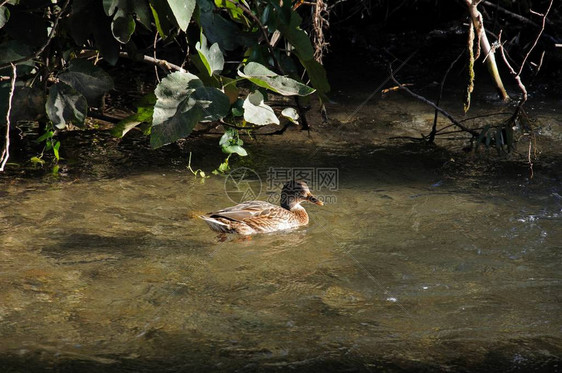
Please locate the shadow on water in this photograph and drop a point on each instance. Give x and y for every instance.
(178, 354)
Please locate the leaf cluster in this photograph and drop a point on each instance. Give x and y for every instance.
(235, 53)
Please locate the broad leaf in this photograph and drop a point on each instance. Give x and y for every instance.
(318, 79)
(163, 17)
(213, 102)
(123, 26)
(297, 37)
(263, 77)
(170, 93)
(178, 125)
(182, 10)
(212, 57)
(220, 30)
(145, 110)
(175, 112)
(65, 104)
(257, 112)
(91, 81)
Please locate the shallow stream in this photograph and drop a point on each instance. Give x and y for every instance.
(413, 263)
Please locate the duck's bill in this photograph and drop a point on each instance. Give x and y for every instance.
(315, 200)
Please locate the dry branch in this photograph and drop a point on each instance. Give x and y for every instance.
(6, 150)
(486, 48)
(432, 104)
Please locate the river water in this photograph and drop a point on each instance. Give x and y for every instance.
(419, 260)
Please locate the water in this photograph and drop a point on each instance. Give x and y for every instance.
(420, 261)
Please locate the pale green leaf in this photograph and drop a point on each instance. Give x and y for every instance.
(212, 57)
(257, 112)
(183, 10)
(263, 77)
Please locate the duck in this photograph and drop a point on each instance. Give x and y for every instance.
(254, 217)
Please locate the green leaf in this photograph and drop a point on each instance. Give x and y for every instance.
(257, 112)
(109, 6)
(56, 150)
(214, 103)
(231, 143)
(224, 167)
(163, 17)
(91, 81)
(123, 23)
(263, 77)
(182, 10)
(237, 108)
(318, 79)
(291, 114)
(236, 149)
(123, 26)
(297, 37)
(45, 136)
(177, 126)
(37, 160)
(142, 12)
(65, 104)
(175, 112)
(181, 102)
(220, 30)
(235, 12)
(212, 57)
(171, 91)
(145, 110)
(4, 15)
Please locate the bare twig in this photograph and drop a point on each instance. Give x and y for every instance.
(537, 38)
(165, 65)
(434, 128)
(49, 39)
(154, 56)
(516, 76)
(6, 150)
(432, 104)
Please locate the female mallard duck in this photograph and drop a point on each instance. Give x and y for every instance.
(261, 217)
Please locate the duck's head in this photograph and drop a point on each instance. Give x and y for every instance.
(295, 192)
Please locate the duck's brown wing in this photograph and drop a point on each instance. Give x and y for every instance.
(245, 211)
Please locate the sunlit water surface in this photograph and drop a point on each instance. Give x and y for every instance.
(401, 271)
